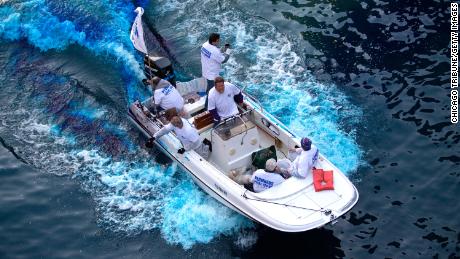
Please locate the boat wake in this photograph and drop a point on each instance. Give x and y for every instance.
(62, 129)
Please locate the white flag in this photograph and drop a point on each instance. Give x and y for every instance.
(137, 32)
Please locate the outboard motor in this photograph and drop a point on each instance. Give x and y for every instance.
(160, 67)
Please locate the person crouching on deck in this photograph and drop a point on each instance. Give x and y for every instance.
(164, 95)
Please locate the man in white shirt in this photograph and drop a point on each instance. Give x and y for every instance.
(222, 100)
(187, 135)
(303, 163)
(261, 179)
(165, 95)
(212, 58)
(266, 179)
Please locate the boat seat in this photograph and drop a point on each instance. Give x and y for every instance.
(192, 108)
(193, 86)
(287, 188)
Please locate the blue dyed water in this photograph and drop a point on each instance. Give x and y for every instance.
(365, 80)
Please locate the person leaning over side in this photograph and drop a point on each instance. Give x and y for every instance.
(187, 135)
(212, 58)
(164, 95)
(223, 98)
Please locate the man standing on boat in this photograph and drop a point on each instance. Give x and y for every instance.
(212, 58)
(223, 98)
(187, 135)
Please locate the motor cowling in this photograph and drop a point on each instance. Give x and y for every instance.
(160, 67)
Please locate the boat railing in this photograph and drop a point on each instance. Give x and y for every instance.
(250, 96)
(260, 105)
(232, 118)
(229, 120)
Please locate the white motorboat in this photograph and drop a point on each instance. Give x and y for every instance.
(292, 206)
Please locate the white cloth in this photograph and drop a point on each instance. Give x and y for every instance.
(194, 86)
(187, 135)
(137, 32)
(263, 180)
(304, 162)
(211, 61)
(167, 97)
(224, 102)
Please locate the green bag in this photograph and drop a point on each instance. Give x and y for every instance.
(260, 157)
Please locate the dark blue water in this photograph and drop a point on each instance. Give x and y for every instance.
(368, 81)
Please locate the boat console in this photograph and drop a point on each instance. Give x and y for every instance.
(233, 142)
